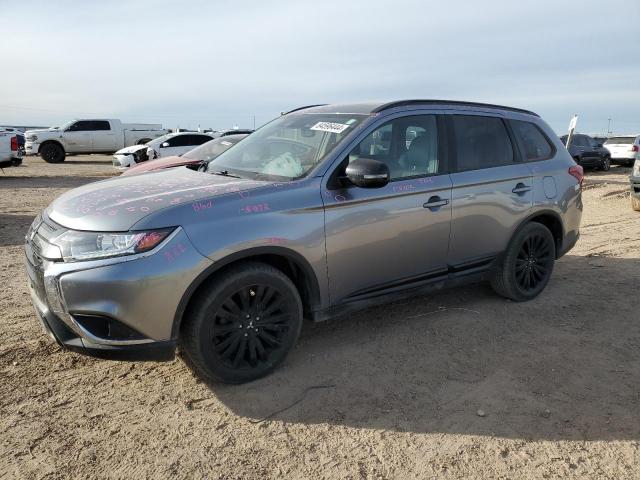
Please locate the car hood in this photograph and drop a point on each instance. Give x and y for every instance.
(131, 149)
(115, 205)
(41, 130)
(160, 163)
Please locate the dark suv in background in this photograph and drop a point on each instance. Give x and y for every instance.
(588, 152)
(322, 211)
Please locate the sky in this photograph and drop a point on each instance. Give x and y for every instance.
(216, 64)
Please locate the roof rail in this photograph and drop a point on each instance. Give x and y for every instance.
(302, 108)
(402, 103)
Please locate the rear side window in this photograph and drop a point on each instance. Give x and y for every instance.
(579, 141)
(481, 142)
(197, 139)
(533, 143)
(100, 125)
(620, 141)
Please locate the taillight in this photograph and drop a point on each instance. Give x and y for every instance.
(14, 144)
(634, 148)
(578, 172)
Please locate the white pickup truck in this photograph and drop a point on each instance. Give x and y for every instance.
(88, 136)
(11, 148)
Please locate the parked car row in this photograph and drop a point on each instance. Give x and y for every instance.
(199, 155)
(601, 152)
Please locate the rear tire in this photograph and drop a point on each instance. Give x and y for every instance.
(606, 164)
(629, 163)
(635, 203)
(243, 325)
(52, 153)
(526, 266)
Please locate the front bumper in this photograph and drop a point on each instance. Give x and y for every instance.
(123, 161)
(31, 148)
(68, 339)
(123, 307)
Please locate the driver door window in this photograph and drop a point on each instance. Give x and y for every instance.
(407, 145)
(77, 137)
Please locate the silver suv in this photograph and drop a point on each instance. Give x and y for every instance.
(324, 210)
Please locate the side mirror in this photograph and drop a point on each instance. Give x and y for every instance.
(599, 145)
(165, 144)
(367, 173)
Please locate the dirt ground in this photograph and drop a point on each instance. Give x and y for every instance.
(392, 392)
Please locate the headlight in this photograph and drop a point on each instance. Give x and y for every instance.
(32, 138)
(78, 246)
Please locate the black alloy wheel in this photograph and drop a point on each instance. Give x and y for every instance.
(524, 269)
(52, 153)
(534, 263)
(250, 327)
(243, 324)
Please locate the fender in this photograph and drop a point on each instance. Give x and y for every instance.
(286, 253)
(540, 213)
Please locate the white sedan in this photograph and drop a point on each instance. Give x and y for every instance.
(165, 146)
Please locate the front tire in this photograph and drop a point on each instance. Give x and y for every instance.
(52, 153)
(526, 265)
(606, 164)
(243, 325)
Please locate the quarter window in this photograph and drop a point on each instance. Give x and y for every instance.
(408, 145)
(481, 142)
(533, 143)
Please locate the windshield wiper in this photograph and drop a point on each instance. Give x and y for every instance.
(225, 173)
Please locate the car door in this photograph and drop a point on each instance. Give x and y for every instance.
(492, 192)
(581, 146)
(103, 136)
(591, 149)
(172, 146)
(77, 137)
(378, 239)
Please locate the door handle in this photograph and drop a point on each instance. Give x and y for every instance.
(521, 188)
(435, 202)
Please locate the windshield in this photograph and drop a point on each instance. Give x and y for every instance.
(621, 140)
(210, 150)
(288, 147)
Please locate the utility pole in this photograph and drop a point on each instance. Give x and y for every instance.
(609, 132)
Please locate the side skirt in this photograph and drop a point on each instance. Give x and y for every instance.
(474, 272)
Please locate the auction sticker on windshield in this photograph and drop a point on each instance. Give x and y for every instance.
(330, 127)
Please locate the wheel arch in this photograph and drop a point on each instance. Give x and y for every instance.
(549, 219)
(289, 262)
(50, 141)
